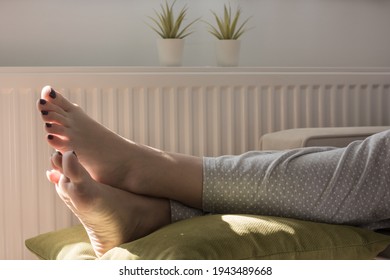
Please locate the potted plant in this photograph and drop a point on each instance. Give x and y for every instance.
(172, 32)
(228, 31)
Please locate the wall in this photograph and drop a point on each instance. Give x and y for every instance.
(294, 33)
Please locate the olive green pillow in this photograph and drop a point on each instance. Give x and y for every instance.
(224, 237)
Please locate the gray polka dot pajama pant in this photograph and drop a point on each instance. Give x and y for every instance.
(341, 186)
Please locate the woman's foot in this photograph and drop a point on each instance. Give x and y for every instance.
(105, 154)
(110, 216)
(113, 160)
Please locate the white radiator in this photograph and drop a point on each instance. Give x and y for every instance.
(199, 111)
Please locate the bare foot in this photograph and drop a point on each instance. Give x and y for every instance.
(106, 155)
(113, 160)
(110, 216)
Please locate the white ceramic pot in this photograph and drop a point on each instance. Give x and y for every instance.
(170, 51)
(228, 52)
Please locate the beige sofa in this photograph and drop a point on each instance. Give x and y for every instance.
(309, 137)
(238, 236)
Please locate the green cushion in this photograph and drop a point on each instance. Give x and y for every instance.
(224, 237)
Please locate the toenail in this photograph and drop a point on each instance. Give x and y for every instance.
(52, 94)
(42, 101)
(50, 137)
(45, 113)
(48, 124)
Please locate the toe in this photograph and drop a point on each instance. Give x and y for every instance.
(58, 143)
(53, 176)
(53, 128)
(54, 117)
(73, 169)
(43, 105)
(51, 95)
(56, 161)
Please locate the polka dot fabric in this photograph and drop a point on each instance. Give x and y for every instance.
(332, 185)
(181, 212)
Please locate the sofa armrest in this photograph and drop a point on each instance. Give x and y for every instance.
(309, 137)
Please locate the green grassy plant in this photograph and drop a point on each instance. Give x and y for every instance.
(169, 26)
(227, 27)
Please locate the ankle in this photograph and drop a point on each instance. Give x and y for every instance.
(146, 170)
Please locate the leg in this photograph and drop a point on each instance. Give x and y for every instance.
(343, 186)
(110, 216)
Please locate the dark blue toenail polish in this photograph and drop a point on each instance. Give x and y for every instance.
(52, 94)
(48, 124)
(50, 137)
(42, 101)
(44, 113)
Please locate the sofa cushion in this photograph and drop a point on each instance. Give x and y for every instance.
(310, 137)
(224, 237)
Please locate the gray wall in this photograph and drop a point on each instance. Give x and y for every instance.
(294, 33)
